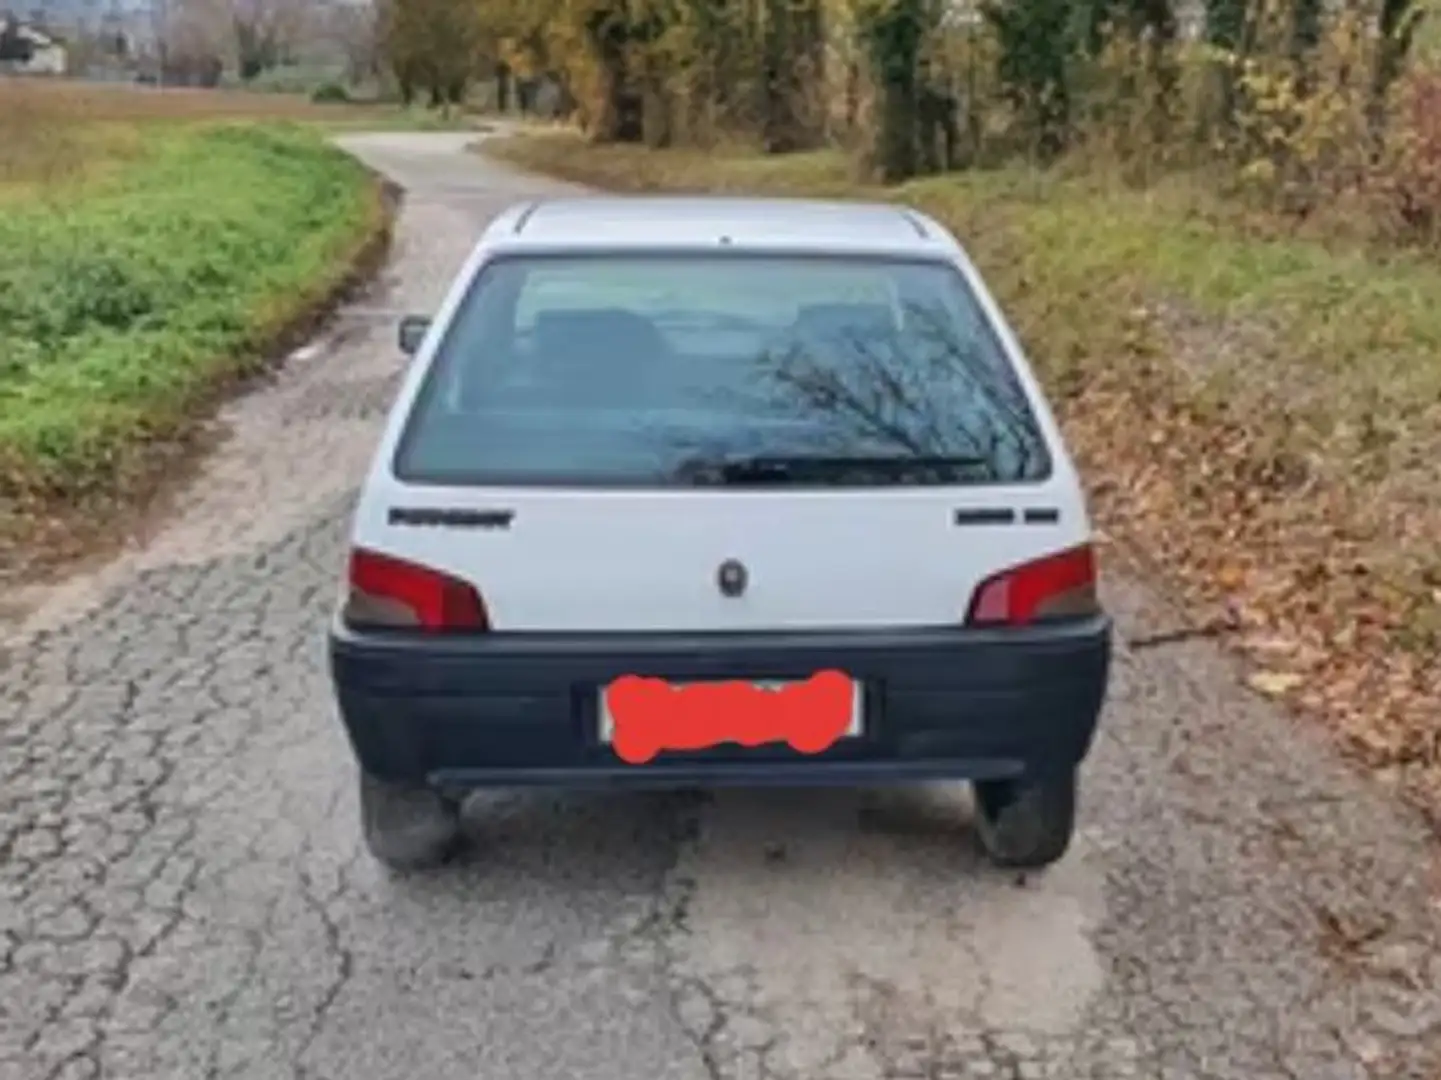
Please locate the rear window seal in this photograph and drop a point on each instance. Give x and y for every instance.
(1045, 469)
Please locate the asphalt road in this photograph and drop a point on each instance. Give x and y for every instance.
(183, 893)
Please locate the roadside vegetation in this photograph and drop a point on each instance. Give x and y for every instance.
(1215, 224)
(154, 245)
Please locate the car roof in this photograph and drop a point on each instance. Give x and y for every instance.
(689, 222)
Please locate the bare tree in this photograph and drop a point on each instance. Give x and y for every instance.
(354, 28)
(187, 42)
(265, 32)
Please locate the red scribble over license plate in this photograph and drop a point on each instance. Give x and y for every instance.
(643, 716)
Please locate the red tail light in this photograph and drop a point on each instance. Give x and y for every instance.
(390, 592)
(1058, 586)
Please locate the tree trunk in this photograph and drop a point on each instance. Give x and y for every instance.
(610, 104)
(618, 116)
(656, 119)
(896, 142)
(892, 39)
(1397, 25)
(1225, 30)
(778, 121)
(791, 72)
(853, 97)
(502, 87)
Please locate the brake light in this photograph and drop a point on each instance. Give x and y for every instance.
(1057, 586)
(390, 592)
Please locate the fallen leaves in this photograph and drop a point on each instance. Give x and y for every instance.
(1274, 684)
(1323, 572)
(1231, 577)
(1329, 632)
(1345, 934)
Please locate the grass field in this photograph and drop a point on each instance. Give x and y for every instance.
(58, 127)
(153, 244)
(1259, 413)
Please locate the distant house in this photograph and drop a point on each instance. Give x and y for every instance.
(28, 50)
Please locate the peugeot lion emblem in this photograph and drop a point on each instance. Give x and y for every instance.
(731, 577)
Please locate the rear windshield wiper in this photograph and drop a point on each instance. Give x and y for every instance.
(803, 469)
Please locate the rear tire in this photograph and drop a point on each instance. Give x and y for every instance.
(1027, 823)
(408, 826)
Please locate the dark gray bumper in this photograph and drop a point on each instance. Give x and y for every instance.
(520, 709)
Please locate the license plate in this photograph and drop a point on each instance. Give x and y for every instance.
(809, 714)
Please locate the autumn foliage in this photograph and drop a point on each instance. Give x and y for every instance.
(1294, 102)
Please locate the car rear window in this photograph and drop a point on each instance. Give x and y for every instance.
(657, 370)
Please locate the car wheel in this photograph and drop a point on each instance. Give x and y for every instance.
(408, 826)
(1026, 823)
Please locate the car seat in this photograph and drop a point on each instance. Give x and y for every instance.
(598, 353)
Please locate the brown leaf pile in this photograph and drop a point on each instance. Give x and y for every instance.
(1295, 559)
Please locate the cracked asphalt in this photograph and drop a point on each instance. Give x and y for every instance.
(183, 893)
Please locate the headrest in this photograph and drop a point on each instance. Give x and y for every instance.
(866, 321)
(594, 330)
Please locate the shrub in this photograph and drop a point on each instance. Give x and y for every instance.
(1409, 171)
(330, 93)
(1302, 134)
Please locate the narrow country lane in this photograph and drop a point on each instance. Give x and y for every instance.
(183, 894)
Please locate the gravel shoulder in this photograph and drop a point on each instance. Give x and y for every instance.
(183, 894)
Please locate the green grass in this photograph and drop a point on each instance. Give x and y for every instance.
(123, 302)
(379, 118)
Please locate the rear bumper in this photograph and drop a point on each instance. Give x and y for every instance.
(522, 709)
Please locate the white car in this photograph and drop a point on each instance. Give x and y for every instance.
(699, 491)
